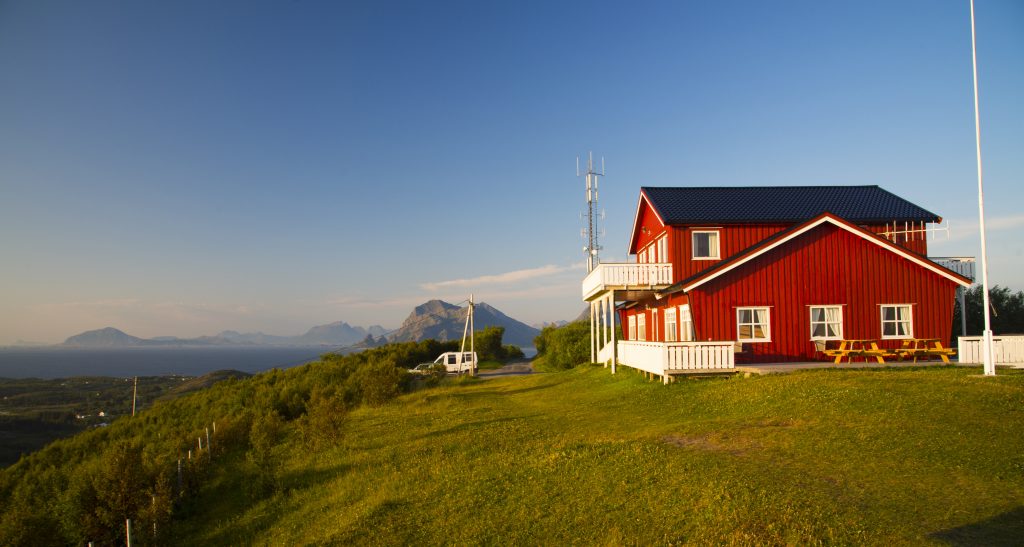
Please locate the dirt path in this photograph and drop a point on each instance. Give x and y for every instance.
(518, 368)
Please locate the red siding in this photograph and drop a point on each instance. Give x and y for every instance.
(731, 240)
(648, 228)
(825, 266)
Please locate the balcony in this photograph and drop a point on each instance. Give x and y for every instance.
(667, 359)
(963, 265)
(626, 277)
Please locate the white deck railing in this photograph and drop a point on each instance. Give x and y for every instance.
(963, 265)
(662, 358)
(1006, 350)
(701, 355)
(619, 275)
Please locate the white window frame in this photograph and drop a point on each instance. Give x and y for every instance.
(642, 257)
(826, 322)
(686, 333)
(671, 326)
(766, 325)
(654, 324)
(714, 253)
(632, 327)
(663, 249)
(641, 327)
(909, 320)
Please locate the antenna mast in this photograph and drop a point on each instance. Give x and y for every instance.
(592, 248)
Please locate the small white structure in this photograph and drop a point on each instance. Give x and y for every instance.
(1006, 350)
(609, 283)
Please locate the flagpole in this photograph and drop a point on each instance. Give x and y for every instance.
(990, 368)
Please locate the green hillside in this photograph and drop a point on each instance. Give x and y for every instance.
(332, 452)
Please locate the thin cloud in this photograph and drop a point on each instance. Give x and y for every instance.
(966, 228)
(516, 276)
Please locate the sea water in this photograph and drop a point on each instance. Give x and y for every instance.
(124, 362)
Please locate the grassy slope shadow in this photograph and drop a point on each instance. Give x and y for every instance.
(1003, 529)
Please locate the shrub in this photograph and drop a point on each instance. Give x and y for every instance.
(379, 381)
(323, 424)
(563, 347)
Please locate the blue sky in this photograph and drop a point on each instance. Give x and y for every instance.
(181, 168)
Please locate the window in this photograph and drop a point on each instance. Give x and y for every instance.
(897, 321)
(663, 249)
(826, 323)
(705, 245)
(752, 325)
(641, 327)
(642, 257)
(670, 325)
(686, 324)
(654, 325)
(632, 327)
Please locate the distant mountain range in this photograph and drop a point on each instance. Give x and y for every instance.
(440, 320)
(434, 319)
(334, 334)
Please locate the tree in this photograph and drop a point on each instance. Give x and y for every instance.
(1007, 311)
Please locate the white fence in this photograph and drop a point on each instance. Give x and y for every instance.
(1006, 350)
(663, 358)
(701, 355)
(611, 274)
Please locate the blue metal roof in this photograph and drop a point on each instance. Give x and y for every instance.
(760, 204)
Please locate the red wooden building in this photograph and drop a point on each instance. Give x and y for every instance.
(768, 274)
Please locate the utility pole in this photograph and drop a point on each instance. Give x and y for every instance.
(468, 329)
(592, 248)
(472, 335)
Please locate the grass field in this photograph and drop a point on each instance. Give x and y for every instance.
(881, 456)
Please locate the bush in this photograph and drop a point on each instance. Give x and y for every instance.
(379, 382)
(514, 352)
(323, 424)
(560, 348)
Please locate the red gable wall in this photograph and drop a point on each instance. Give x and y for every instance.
(648, 227)
(827, 265)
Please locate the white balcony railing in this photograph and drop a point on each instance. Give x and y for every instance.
(663, 358)
(1006, 350)
(625, 276)
(963, 265)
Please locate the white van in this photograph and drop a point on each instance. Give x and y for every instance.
(458, 361)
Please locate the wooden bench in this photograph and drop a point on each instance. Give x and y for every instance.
(924, 348)
(851, 349)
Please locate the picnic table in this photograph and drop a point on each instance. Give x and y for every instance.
(849, 349)
(924, 348)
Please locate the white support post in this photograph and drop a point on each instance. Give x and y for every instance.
(615, 351)
(961, 293)
(604, 323)
(593, 339)
(610, 306)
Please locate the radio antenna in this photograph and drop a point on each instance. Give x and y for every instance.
(592, 248)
